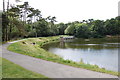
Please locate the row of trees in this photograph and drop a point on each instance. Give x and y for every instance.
(85, 29)
(94, 28)
(25, 21)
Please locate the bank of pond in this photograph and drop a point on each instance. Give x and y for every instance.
(99, 55)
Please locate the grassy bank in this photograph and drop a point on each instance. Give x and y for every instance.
(0, 68)
(32, 47)
(11, 70)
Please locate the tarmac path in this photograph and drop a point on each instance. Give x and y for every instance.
(47, 68)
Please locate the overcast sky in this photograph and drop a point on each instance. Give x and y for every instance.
(75, 10)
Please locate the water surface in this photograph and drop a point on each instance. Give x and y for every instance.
(102, 52)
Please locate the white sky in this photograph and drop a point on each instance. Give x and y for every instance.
(75, 10)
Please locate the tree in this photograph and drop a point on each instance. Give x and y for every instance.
(5, 23)
(82, 31)
(98, 29)
(70, 30)
(3, 5)
(41, 28)
(61, 27)
(17, 0)
(112, 26)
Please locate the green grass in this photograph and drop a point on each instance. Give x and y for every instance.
(11, 70)
(0, 68)
(36, 51)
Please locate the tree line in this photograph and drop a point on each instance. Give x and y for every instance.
(94, 28)
(25, 21)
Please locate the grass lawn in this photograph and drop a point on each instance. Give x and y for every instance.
(11, 70)
(27, 47)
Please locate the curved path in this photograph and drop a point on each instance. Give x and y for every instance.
(49, 69)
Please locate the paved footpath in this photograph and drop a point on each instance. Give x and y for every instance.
(49, 69)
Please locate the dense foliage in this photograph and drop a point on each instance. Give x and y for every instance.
(94, 28)
(25, 21)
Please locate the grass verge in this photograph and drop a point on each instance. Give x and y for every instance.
(11, 70)
(32, 47)
(0, 68)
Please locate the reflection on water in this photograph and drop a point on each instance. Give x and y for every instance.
(101, 52)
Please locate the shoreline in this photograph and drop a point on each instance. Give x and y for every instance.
(55, 58)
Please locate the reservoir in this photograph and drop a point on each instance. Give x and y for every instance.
(102, 52)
